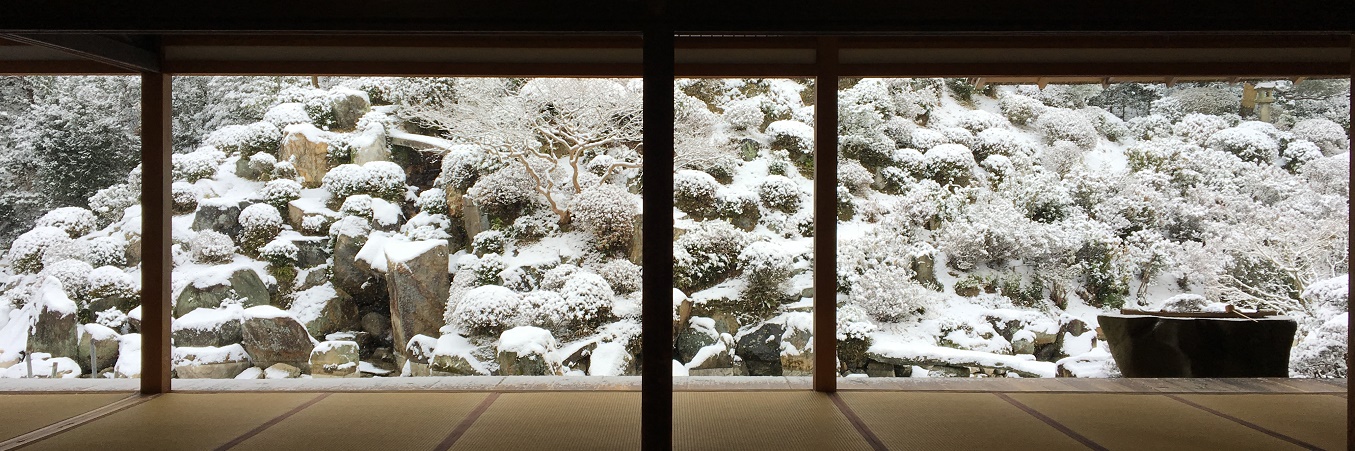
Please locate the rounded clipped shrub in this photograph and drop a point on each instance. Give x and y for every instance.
(608, 212)
(488, 269)
(503, 192)
(433, 201)
(183, 198)
(211, 246)
(622, 275)
(279, 192)
(1019, 109)
(489, 242)
(280, 252)
(1328, 135)
(112, 202)
(780, 193)
(246, 140)
(706, 254)
(198, 165)
(555, 278)
(73, 275)
(487, 310)
(108, 251)
(949, 164)
(110, 282)
(26, 253)
(259, 224)
(75, 221)
(586, 302)
(1057, 124)
(1197, 128)
(1248, 144)
(694, 192)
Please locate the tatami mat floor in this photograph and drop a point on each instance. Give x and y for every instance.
(1235, 416)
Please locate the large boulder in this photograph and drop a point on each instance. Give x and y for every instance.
(370, 145)
(348, 105)
(273, 336)
(452, 357)
(220, 215)
(354, 277)
(797, 355)
(416, 276)
(335, 359)
(208, 291)
(301, 210)
(1154, 346)
(307, 148)
(760, 349)
(224, 362)
(525, 351)
(56, 331)
(208, 327)
(324, 311)
(700, 333)
(311, 250)
(104, 342)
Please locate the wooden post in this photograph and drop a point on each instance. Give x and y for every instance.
(1350, 409)
(155, 232)
(825, 217)
(656, 397)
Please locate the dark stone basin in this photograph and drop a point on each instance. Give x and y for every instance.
(1153, 346)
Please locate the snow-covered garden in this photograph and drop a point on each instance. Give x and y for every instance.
(361, 227)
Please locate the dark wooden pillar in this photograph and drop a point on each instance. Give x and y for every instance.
(657, 384)
(155, 232)
(1350, 409)
(825, 216)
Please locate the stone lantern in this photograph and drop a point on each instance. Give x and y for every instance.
(1265, 97)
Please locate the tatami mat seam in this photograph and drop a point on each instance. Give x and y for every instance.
(466, 423)
(1246, 423)
(1052, 423)
(859, 424)
(270, 423)
(73, 422)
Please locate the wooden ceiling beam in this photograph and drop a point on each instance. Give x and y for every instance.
(95, 48)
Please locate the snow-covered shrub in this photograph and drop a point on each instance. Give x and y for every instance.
(488, 242)
(874, 150)
(359, 205)
(487, 269)
(706, 254)
(284, 170)
(1328, 135)
(957, 135)
(1062, 157)
(462, 166)
(766, 264)
(853, 175)
(73, 275)
(887, 297)
(1323, 352)
(1247, 144)
(949, 164)
(108, 251)
(607, 211)
(183, 198)
(1019, 109)
(260, 166)
(796, 139)
(586, 303)
(555, 278)
(211, 246)
(988, 232)
(198, 165)
(1107, 124)
(1067, 125)
(535, 225)
(285, 114)
(622, 275)
(504, 191)
(487, 310)
(926, 138)
(279, 192)
(1000, 141)
(1329, 175)
(110, 203)
(1061, 95)
(246, 140)
(433, 201)
(899, 130)
(1186, 302)
(27, 253)
(744, 115)
(1149, 127)
(279, 252)
(694, 192)
(110, 282)
(1298, 153)
(1196, 128)
(75, 221)
(780, 193)
(1208, 100)
(381, 179)
(259, 224)
(977, 121)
